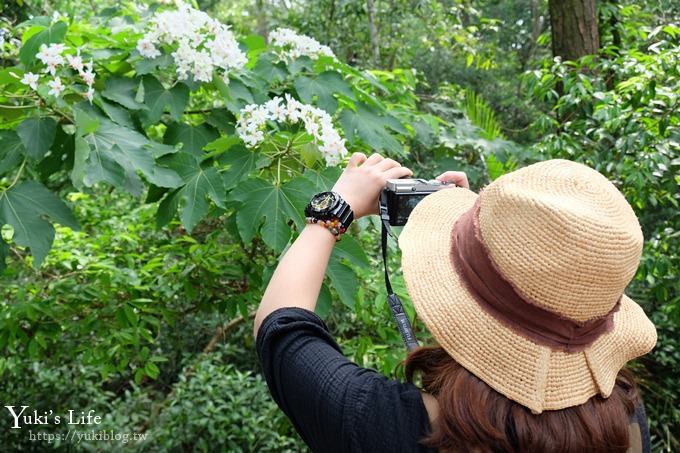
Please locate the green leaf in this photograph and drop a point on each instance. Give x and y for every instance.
(82, 152)
(117, 113)
(324, 302)
(53, 34)
(240, 162)
(344, 280)
(270, 206)
(149, 65)
(323, 180)
(116, 153)
(11, 151)
(322, 88)
(201, 183)
(85, 123)
(167, 208)
(123, 90)
(266, 69)
(350, 249)
(60, 155)
(237, 94)
(369, 126)
(25, 207)
(37, 135)
(157, 98)
(193, 138)
(151, 370)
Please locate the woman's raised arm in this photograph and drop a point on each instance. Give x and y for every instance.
(298, 277)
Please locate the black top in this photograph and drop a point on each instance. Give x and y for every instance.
(335, 405)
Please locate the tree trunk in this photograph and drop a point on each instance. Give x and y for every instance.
(574, 28)
(375, 43)
(261, 17)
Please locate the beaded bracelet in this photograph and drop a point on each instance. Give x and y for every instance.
(334, 226)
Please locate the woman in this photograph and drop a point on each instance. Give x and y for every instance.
(522, 288)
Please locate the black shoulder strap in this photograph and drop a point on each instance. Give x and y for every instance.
(403, 323)
(641, 419)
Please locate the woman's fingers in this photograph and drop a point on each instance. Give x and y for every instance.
(459, 178)
(386, 164)
(397, 172)
(356, 159)
(373, 159)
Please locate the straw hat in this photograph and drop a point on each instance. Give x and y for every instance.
(565, 239)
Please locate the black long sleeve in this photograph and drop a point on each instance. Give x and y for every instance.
(335, 405)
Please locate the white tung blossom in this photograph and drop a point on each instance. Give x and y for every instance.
(252, 124)
(31, 80)
(293, 45)
(200, 45)
(56, 87)
(53, 59)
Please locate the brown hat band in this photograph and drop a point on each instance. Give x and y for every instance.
(497, 296)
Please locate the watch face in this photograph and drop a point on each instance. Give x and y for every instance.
(323, 201)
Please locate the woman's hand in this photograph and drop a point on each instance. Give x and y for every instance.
(456, 177)
(364, 178)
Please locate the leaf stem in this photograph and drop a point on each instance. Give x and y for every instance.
(4, 106)
(19, 172)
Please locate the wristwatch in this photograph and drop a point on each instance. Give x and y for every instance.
(328, 209)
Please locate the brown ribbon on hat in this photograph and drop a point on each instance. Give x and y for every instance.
(497, 296)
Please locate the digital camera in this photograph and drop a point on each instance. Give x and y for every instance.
(400, 196)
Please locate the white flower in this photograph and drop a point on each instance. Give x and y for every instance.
(293, 45)
(201, 44)
(75, 61)
(147, 49)
(51, 56)
(88, 77)
(56, 87)
(57, 16)
(89, 94)
(31, 80)
(253, 118)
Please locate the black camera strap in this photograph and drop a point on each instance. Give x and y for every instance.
(403, 323)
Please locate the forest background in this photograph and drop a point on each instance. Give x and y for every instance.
(141, 217)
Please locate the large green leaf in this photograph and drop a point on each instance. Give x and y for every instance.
(116, 153)
(350, 249)
(270, 71)
(271, 206)
(323, 180)
(157, 98)
(324, 303)
(37, 135)
(193, 138)
(370, 127)
(344, 280)
(322, 88)
(53, 34)
(201, 183)
(25, 207)
(124, 91)
(11, 151)
(240, 162)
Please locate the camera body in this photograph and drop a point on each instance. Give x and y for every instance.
(400, 196)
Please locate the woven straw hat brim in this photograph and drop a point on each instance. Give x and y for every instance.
(519, 368)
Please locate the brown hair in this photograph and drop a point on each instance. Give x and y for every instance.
(474, 417)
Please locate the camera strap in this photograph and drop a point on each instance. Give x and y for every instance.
(396, 307)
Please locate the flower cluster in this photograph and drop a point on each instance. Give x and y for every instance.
(53, 58)
(293, 45)
(252, 121)
(200, 44)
